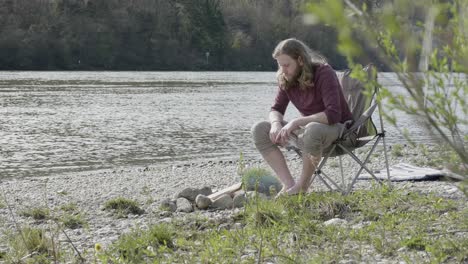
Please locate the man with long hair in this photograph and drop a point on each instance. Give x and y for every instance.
(306, 80)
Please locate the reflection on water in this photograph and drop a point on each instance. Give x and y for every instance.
(54, 122)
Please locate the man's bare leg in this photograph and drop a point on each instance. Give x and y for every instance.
(309, 164)
(277, 162)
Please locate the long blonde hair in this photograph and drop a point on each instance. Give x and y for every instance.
(311, 60)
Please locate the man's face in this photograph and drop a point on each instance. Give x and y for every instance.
(289, 66)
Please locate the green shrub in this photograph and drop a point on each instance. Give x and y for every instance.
(123, 207)
(38, 213)
(397, 150)
(69, 208)
(416, 243)
(265, 212)
(73, 221)
(28, 241)
(261, 180)
(140, 245)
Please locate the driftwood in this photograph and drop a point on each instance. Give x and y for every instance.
(228, 190)
(453, 175)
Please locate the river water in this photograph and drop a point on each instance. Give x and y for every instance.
(60, 122)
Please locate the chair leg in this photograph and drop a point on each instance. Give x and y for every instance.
(342, 173)
(362, 164)
(379, 104)
(319, 172)
(324, 181)
(332, 182)
(386, 162)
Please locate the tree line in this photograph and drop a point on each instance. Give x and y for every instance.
(154, 34)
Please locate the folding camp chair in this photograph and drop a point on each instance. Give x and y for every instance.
(362, 132)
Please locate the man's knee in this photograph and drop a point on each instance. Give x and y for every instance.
(313, 130)
(313, 133)
(260, 129)
(261, 136)
(313, 138)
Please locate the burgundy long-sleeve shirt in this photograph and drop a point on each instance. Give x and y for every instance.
(326, 96)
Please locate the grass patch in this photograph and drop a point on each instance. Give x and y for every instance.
(139, 246)
(37, 213)
(69, 208)
(62, 192)
(73, 221)
(397, 150)
(416, 243)
(122, 207)
(147, 192)
(291, 230)
(423, 150)
(333, 163)
(32, 245)
(438, 157)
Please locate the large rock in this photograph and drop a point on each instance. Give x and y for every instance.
(203, 202)
(205, 191)
(191, 193)
(168, 205)
(184, 205)
(223, 202)
(239, 200)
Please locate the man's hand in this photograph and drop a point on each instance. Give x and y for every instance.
(275, 130)
(285, 133)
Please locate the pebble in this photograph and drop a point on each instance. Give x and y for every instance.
(336, 222)
(252, 195)
(191, 193)
(225, 226)
(203, 202)
(166, 220)
(168, 205)
(165, 213)
(237, 226)
(239, 200)
(223, 202)
(402, 249)
(361, 225)
(184, 205)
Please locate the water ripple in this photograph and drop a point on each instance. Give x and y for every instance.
(56, 122)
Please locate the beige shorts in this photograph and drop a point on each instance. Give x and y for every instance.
(314, 138)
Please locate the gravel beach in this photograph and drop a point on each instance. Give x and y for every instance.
(149, 186)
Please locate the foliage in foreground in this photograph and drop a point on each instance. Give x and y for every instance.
(381, 224)
(392, 224)
(31, 245)
(425, 43)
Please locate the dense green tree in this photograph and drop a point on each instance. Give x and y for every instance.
(153, 34)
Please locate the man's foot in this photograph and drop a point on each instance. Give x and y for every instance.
(296, 189)
(283, 191)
